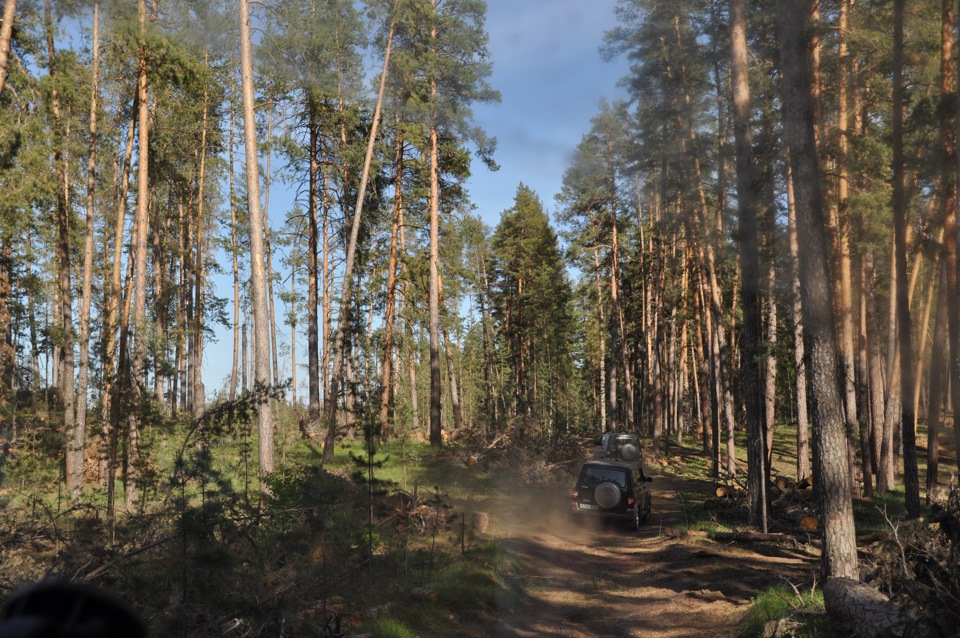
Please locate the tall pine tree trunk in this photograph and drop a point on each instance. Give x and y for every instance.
(197, 390)
(6, 32)
(79, 442)
(258, 279)
(346, 296)
(234, 249)
(910, 472)
(749, 242)
(65, 356)
(799, 357)
(938, 378)
(386, 383)
(313, 332)
(138, 317)
(948, 207)
(839, 558)
(110, 414)
(847, 347)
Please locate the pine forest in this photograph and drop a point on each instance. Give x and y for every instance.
(268, 362)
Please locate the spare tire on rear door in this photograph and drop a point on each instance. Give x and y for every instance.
(607, 494)
(629, 452)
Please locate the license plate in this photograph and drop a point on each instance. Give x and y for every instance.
(587, 506)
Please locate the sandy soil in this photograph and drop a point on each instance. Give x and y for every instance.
(590, 578)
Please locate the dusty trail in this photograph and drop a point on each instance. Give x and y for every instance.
(592, 579)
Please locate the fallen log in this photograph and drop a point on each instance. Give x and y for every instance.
(867, 612)
(740, 537)
(797, 536)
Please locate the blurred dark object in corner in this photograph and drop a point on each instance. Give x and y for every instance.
(58, 609)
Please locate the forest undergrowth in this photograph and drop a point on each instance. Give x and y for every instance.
(318, 551)
(387, 540)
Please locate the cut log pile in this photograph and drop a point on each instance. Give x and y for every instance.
(792, 504)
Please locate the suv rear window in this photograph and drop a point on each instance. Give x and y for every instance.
(597, 475)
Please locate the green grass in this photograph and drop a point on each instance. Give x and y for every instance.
(871, 514)
(470, 592)
(390, 628)
(781, 601)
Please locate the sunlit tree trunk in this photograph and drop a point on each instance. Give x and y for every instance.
(436, 435)
(79, 442)
(346, 300)
(271, 298)
(258, 281)
(892, 411)
(234, 249)
(948, 208)
(6, 32)
(839, 558)
(749, 240)
(140, 230)
(197, 389)
(876, 385)
(313, 241)
(326, 301)
(911, 478)
(386, 383)
(606, 414)
(938, 377)
(454, 388)
(847, 347)
(110, 414)
(65, 358)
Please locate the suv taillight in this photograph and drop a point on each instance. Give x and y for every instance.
(629, 502)
(576, 494)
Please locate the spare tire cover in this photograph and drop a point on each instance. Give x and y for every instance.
(607, 494)
(629, 452)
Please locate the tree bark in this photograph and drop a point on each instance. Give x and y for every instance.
(79, 442)
(892, 411)
(258, 282)
(749, 242)
(839, 557)
(234, 250)
(346, 295)
(436, 433)
(6, 32)
(137, 374)
(313, 346)
(843, 242)
(386, 383)
(874, 615)
(911, 478)
(65, 358)
(876, 385)
(938, 370)
(112, 373)
(198, 403)
(948, 208)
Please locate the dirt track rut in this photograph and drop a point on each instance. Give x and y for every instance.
(592, 579)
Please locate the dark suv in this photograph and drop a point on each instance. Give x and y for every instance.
(612, 489)
(617, 445)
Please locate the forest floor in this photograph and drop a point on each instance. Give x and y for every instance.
(578, 578)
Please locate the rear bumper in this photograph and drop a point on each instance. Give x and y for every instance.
(628, 515)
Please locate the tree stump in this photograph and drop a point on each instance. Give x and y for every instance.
(480, 521)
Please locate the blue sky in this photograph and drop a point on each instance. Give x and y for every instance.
(547, 66)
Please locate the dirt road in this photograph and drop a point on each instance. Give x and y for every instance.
(592, 579)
